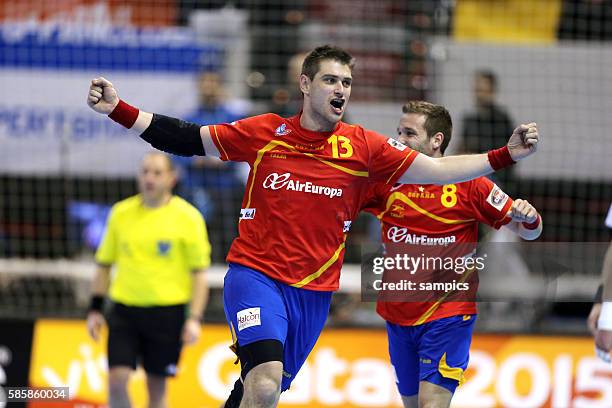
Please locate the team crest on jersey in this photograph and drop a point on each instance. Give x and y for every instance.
(163, 248)
(399, 146)
(497, 198)
(397, 211)
(282, 130)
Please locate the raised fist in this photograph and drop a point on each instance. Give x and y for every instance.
(102, 96)
(524, 141)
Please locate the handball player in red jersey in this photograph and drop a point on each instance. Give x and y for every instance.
(429, 341)
(308, 176)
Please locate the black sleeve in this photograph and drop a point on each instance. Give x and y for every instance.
(599, 294)
(174, 136)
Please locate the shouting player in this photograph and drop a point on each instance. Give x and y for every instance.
(429, 340)
(307, 180)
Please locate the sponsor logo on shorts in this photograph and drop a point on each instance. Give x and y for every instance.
(275, 181)
(248, 318)
(497, 198)
(247, 213)
(399, 146)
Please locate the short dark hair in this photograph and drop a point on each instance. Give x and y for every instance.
(166, 157)
(489, 76)
(311, 64)
(437, 119)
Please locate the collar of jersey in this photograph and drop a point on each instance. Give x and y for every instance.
(310, 135)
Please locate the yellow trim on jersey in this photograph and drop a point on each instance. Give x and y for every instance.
(352, 172)
(273, 143)
(436, 305)
(455, 373)
(400, 166)
(233, 333)
(323, 268)
(403, 198)
(219, 141)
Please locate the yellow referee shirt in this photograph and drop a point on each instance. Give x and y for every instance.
(154, 250)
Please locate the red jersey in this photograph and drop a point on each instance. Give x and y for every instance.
(303, 192)
(435, 215)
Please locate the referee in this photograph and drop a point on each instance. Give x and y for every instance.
(159, 246)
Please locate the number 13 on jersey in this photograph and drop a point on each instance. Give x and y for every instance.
(341, 146)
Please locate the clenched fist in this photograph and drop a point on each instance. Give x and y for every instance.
(524, 141)
(102, 96)
(523, 211)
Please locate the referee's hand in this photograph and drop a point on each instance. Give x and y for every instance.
(191, 331)
(603, 344)
(95, 321)
(102, 96)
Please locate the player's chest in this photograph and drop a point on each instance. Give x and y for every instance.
(337, 162)
(410, 203)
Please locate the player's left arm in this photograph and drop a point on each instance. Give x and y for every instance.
(454, 169)
(526, 222)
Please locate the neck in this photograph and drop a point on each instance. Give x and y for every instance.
(312, 121)
(155, 202)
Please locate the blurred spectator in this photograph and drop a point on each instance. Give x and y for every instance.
(488, 126)
(287, 100)
(586, 20)
(212, 186)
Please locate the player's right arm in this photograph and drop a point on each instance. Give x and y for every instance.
(164, 133)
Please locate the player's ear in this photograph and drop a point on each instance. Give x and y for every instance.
(436, 140)
(304, 84)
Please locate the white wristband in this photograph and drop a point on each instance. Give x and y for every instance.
(605, 317)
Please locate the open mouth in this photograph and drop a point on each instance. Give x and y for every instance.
(337, 104)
